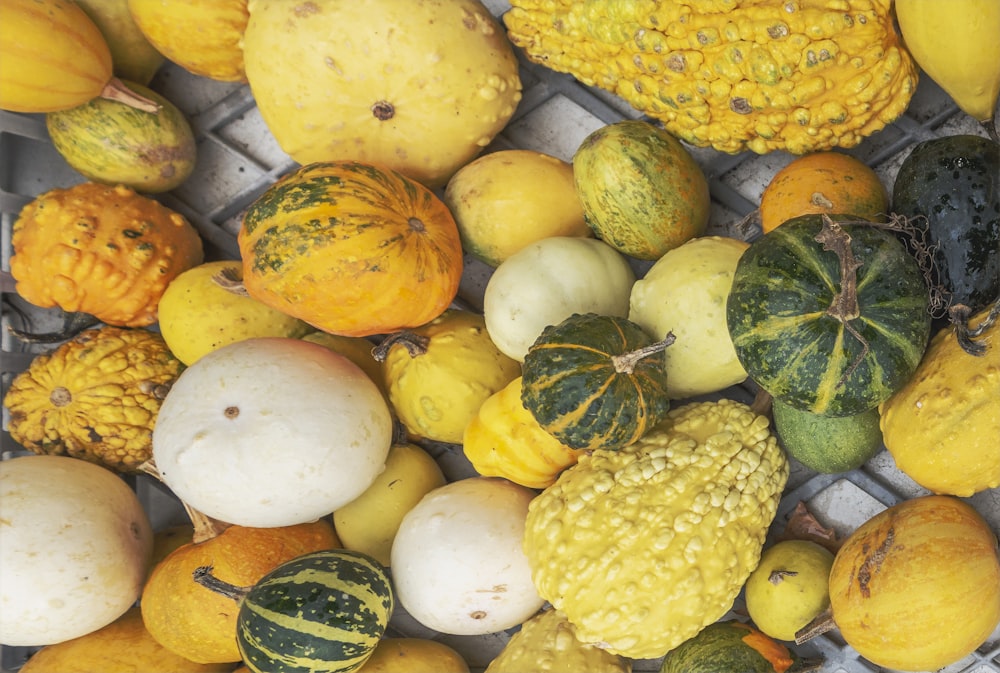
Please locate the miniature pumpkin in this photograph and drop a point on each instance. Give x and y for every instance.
(102, 250)
(95, 397)
(351, 248)
(733, 646)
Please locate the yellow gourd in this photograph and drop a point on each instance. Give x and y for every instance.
(413, 655)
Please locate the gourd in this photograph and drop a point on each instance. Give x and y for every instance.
(547, 643)
(95, 397)
(351, 248)
(198, 623)
(547, 282)
(102, 250)
(827, 444)
(439, 374)
(684, 292)
(204, 39)
(504, 440)
(941, 426)
(595, 382)
(55, 57)
(642, 192)
(112, 143)
(358, 350)
(301, 428)
(123, 646)
(76, 544)
(732, 645)
(133, 58)
(943, 546)
(331, 84)
(413, 655)
(826, 316)
(457, 562)
(742, 75)
(643, 547)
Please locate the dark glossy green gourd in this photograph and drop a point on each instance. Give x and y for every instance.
(733, 647)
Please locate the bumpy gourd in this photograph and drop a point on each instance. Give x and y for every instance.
(95, 397)
(642, 548)
(733, 74)
(102, 250)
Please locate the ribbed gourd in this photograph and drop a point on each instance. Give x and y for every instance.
(643, 547)
(736, 75)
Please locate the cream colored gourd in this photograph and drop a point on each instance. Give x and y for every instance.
(419, 87)
(548, 281)
(271, 431)
(76, 544)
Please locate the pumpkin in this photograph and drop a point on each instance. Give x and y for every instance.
(420, 88)
(55, 58)
(133, 58)
(741, 75)
(734, 646)
(413, 655)
(112, 143)
(203, 39)
(439, 374)
(943, 547)
(823, 182)
(457, 563)
(642, 192)
(643, 547)
(941, 426)
(199, 624)
(95, 397)
(826, 316)
(351, 248)
(123, 646)
(76, 544)
(548, 281)
(595, 381)
(301, 428)
(504, 440)
(102, 250)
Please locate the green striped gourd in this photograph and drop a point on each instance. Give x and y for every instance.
(322, 612)
(828, 316)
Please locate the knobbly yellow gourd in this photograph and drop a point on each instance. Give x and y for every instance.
(643, 547)
(735, 74)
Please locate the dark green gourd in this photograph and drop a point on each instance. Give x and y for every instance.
(731, 646)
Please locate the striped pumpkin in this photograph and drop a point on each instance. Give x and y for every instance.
(322, 612)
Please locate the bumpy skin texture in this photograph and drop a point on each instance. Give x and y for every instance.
(642, 548)
(96, 397)
(757, 75)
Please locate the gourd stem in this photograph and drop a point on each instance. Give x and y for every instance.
(203, 576)
(116, 90)
(844, 306)
(415, 344)
(820, 624)
(229, 280)
(968, 337)
(205, 527)
(626, 362)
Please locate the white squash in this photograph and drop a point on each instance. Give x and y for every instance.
(548, 281)
(74, 549)
(271, 431)
(457, 562)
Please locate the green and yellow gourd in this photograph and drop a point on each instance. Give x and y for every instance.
(734, 647)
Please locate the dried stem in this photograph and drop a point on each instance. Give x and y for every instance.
(415, 344)
(203, 576)
(626, 362)
(116, 90)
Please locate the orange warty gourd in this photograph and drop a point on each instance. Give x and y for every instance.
(351, 248)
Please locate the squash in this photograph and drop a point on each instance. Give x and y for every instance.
(203, 39)
(739, 75)
(457, 563)
(413, 655)
(547, 282)
(735, 647)
(937, 544)
(300, 428)
(643, 547)
(941, 426)
(133, 58)
(102, 250)
(684, 292)
(76, 544)
(55, 57)
(419, 88)
(827, 444)
(547, 643)
(595, 381)
(504, 440)
(439, 374)
(95, 397)
(198, 623)
(123, 646)
(829, 317)
(112, 143)
(351, 248)
(642, 192)
(358, 350)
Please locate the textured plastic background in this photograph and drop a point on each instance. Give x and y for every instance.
(238, 159)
